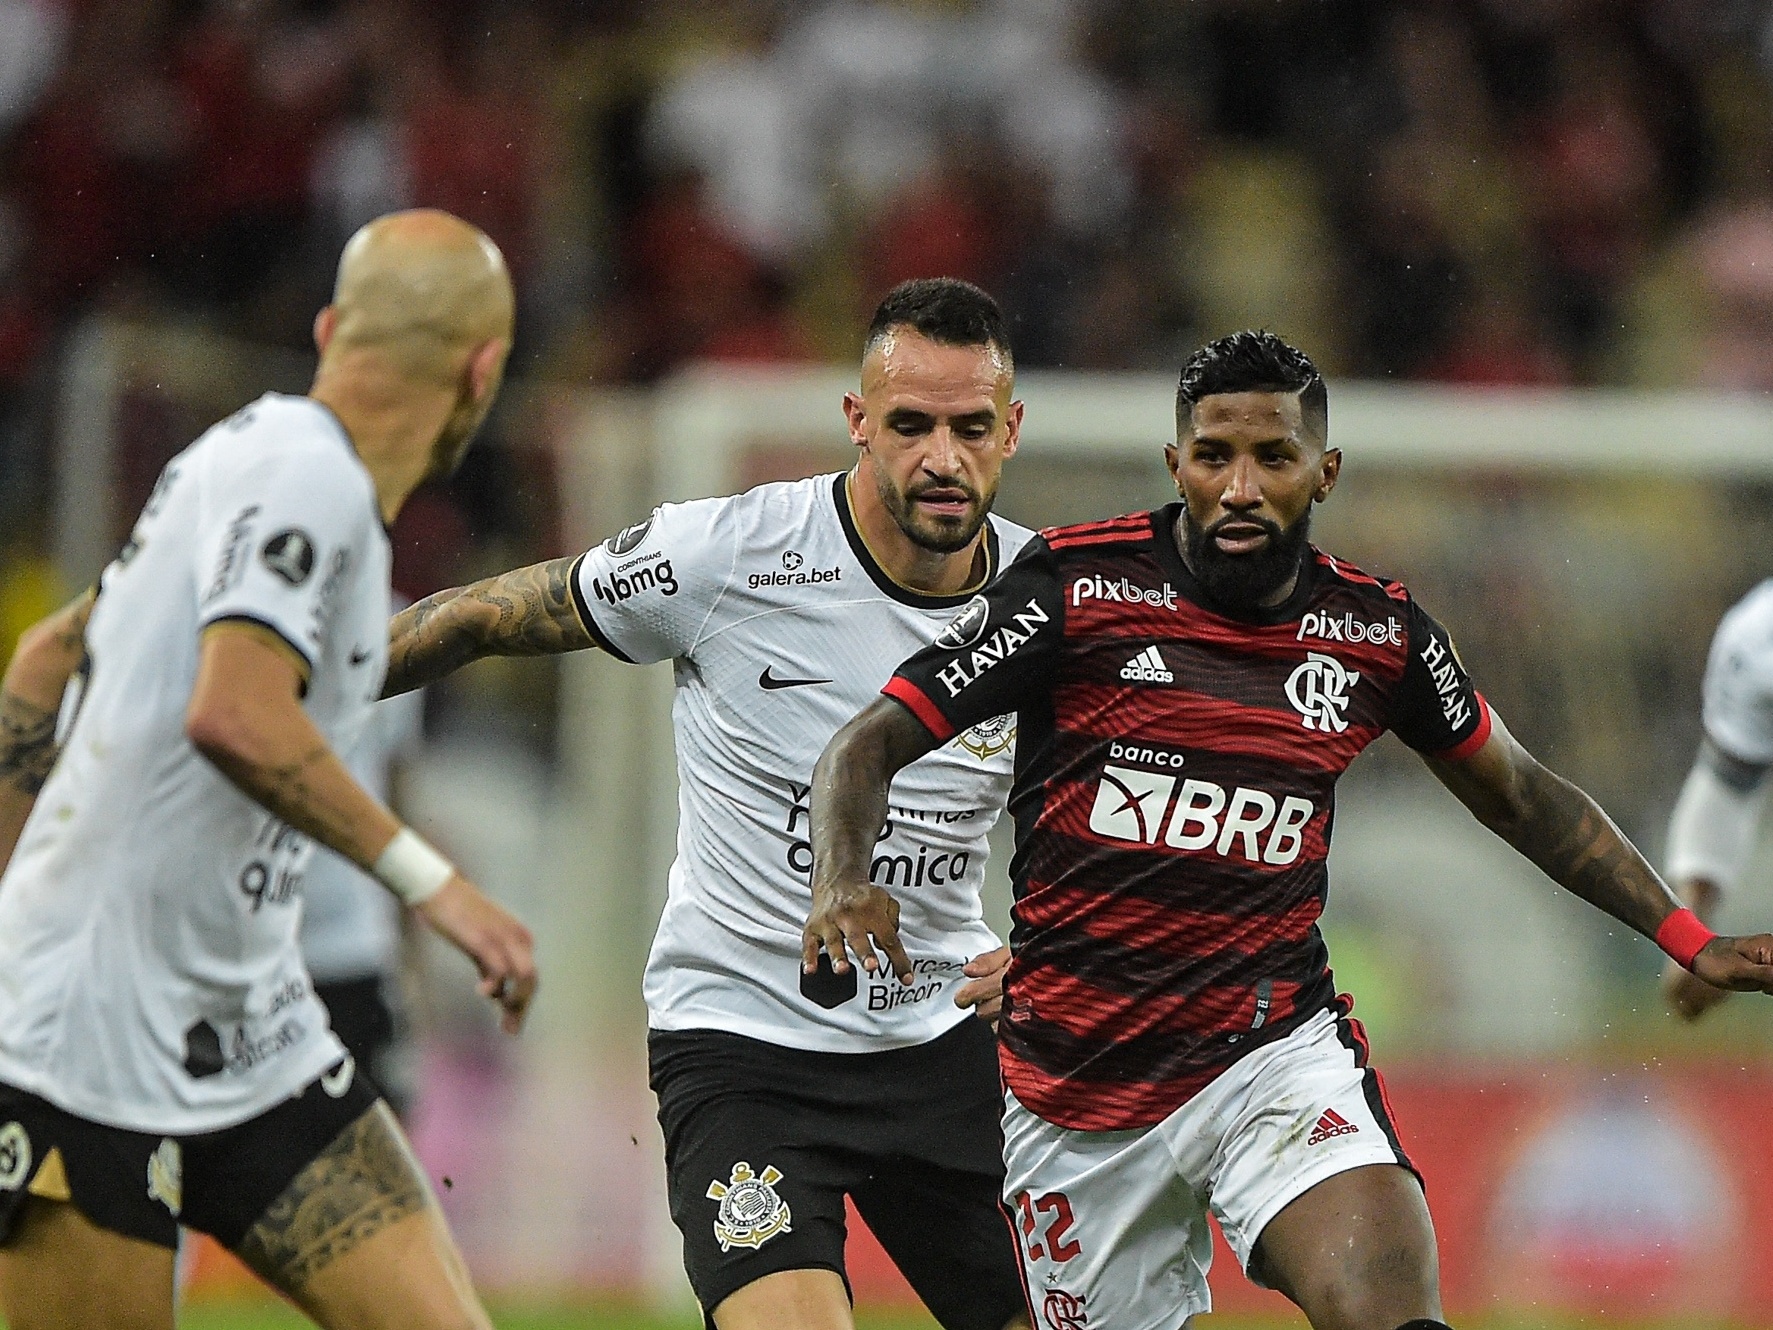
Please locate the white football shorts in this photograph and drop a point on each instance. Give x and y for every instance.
(1112, 1225)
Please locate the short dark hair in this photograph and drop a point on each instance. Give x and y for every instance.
(1253, 361)
(943, 309)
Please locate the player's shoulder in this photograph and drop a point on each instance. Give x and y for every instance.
(278, 435)
(1339, 573)
(1127, 529)
(1747, 625)
(1012, 537)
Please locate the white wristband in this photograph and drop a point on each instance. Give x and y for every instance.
(411, 869)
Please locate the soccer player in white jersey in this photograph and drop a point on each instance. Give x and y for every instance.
(782, 609)
(1712, 830)
(163, 1058)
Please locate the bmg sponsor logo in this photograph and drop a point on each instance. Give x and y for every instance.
(652, 573)
(1245, 823)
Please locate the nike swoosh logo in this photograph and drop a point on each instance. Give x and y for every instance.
(769, 681)
(359, 655)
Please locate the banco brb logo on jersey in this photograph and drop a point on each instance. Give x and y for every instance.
(1242, 822)
(1318, 690)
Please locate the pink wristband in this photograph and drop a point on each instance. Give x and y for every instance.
(1683, 937)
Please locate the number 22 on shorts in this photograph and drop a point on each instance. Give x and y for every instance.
(1052, 1242)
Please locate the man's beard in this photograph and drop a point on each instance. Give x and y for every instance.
(1244, 581)
(936, 536)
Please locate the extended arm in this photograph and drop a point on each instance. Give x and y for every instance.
(246, 717)
(1564, 832)
(849, 806)
(525, 612)
(47, 656)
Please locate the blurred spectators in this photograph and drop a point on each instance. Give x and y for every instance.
(1474, 191)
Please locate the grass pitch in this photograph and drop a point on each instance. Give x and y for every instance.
(259, 1315)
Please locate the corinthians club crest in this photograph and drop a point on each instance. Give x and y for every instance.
(989, 737)
(750, 1211)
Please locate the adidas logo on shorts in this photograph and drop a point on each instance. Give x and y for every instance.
(1147, 667)
(1331, 1124)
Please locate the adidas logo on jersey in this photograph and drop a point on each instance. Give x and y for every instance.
(1147, 667)
(1331, 1124)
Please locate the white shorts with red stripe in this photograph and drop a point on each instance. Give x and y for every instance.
(1112, 1225)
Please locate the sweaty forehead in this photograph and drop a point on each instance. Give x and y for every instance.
(1249, 417)
(907, 370)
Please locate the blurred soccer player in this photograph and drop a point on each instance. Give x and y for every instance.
(784, 609)
(163, 1058)
(1190, 683)
(1711, 832)
(351, 935)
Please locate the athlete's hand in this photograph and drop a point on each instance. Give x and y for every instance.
(852, 912)
(1741, 964)
(985, 993)
(492, 937)
(1688, 995)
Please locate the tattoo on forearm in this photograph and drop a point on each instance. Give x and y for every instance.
(527, 612)
(27, 744)
(364, 1181)
(1566, 834)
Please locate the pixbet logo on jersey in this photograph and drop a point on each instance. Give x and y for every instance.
(1347, 628)
(1123, 591)
(1318, 690)
(1131, 804)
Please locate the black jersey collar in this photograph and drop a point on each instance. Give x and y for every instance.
(878, 575)
(1169, 558)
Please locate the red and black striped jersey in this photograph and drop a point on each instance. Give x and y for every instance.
(1175, 786)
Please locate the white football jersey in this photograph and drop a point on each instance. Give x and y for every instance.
(1738, 708)
(351, 922)
(781, 627)
(149, 973)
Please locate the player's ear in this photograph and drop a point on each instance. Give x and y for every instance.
(326, 323)
(1173, 461)
(1332, 468)
(855, 413)
(484, 366)
(1012, 438)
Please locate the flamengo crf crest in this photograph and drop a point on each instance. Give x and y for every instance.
(751, 1213)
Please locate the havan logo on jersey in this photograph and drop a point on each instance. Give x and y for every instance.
(992, 650)
(1131, 806)
(1443, 669)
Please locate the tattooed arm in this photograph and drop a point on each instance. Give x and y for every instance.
(47, 656)
(526, 612)
(1564, 832)
(246, 717)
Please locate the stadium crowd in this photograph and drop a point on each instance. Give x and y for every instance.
(1471, 191)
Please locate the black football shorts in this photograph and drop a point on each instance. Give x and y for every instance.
(762, 1144)
(146, 1185)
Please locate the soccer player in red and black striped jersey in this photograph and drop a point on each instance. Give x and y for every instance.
(1189, 685)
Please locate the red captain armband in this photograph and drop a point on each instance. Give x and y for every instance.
(1683, 937)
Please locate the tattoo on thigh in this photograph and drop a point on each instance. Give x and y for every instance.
(363, 1182)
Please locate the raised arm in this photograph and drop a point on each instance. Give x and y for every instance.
(48, 654)
(525, 612)
(1564, 832)
(848, 809)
